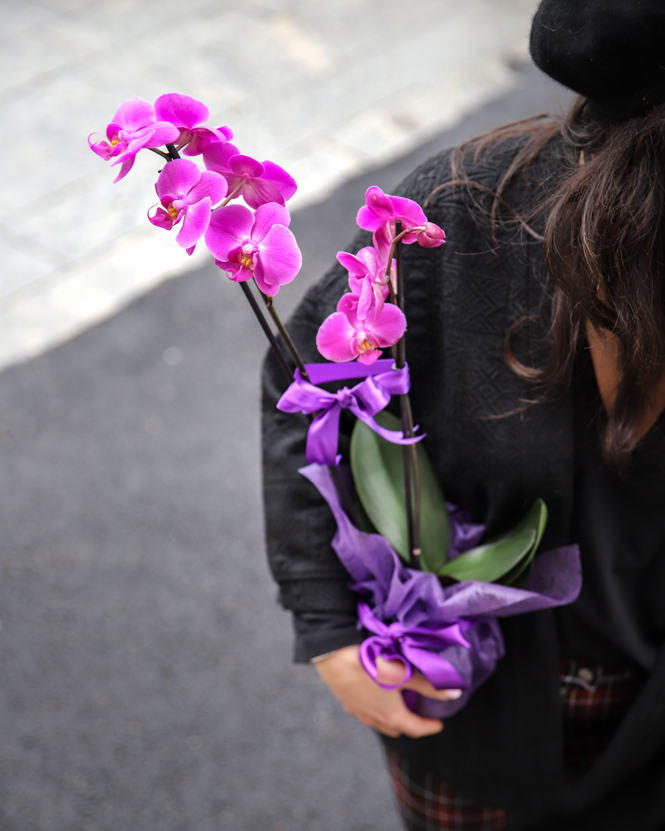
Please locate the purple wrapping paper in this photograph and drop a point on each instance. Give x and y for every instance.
(416, 600)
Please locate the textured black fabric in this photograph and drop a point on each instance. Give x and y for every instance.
(619, 523)
(610, 51)
(318, 633)
(505, 747)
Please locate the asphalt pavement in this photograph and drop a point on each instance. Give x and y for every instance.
(147, 682)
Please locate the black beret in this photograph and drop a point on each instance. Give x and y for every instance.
(610, 51)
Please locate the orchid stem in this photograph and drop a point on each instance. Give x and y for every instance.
(173, 153)
(233, 193)
(270, 306)
(160, 153)
(411, 473)
(281, 358)
(399, 236)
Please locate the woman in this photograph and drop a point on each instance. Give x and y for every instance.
(536, 344)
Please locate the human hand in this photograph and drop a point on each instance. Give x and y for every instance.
(384, 710)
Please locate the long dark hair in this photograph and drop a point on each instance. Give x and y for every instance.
(604, 246)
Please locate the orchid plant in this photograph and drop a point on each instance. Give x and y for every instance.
(397, 492)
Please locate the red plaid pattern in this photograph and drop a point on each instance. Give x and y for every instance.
(594, 705)
(432, 806)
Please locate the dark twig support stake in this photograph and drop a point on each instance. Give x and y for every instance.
(342, 490)
(277, 349)
(411, 475)
(281, 328)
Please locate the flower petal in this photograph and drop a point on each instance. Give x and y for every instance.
(408, 211)
(163, 133)
(127, 165)
(388, 327)
(279, 259)
(180, 110)
(366, 299)
(369, 357)
(336, 337)
(234, 271)
(201, 138)
(102, 148)
(212, 185)
(134, 114)
(229, 227)
(135, 143)
(195, 223)
(277, 176)
(177, 179)
(216, 157)
(266, 217)
(162, 219)
(352, 263)
(257, 192)
(240, 164)
(379, 202)
(348, 305)
(112, 130)
(368, 220)
(381, 240)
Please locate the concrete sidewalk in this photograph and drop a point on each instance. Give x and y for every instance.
(327, 89)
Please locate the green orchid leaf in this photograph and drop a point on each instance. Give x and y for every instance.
(378, 473)
(366, 524)
(510, 555)
(491, 561)
(537, 517)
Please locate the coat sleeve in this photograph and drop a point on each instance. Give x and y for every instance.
(299, 525)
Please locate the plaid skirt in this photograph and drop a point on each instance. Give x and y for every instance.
(594, 704)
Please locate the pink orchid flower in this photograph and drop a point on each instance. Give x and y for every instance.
(343, 336)
(188, 115)
(257, 182)
(366, 279)
(133, 128)
(187, 195)
(259, 245)
(381, 211)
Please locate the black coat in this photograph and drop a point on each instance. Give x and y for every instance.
(504, 748)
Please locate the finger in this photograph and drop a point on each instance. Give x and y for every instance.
(382, 725)
(422, 685)
(390, 673)
(402, 720)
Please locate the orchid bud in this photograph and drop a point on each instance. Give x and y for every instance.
(431, 236)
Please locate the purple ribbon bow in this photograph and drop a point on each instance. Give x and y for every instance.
(412, 646)
(364, 400)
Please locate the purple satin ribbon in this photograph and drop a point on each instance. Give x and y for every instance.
(413, 646)
(364, 400)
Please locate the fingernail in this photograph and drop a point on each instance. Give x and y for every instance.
(454, 694)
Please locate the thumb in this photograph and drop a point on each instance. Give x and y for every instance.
(422, 685)
(393, 672)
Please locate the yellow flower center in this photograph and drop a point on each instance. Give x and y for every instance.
(115, 140)
(173, 213)
(365, 346)
(247, 261)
